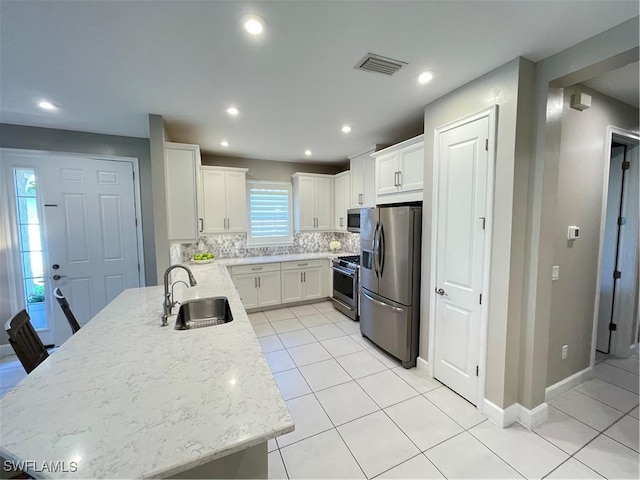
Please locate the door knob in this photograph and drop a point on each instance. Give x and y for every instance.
(58, 277)
(441, 292)
(55, 266)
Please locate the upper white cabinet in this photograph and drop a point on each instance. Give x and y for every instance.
(224, 199)
(342, 200)
(363, 183)
(181, 171)
(312, 202)
(399, 172)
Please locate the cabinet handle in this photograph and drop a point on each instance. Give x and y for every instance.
(255, 282)
(302, 264)
(259, 282)
(399, 178)
(304, 277)
(300, 277)
(201, 222)
(395, 179)
(256, 268)
(341, 222)
(361, 198)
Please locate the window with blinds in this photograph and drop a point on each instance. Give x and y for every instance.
(269, 213)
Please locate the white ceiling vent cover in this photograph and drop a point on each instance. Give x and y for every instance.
(378, 64)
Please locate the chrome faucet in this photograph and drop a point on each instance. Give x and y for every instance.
(168, 303)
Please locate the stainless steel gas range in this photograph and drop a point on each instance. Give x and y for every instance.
(345, 284)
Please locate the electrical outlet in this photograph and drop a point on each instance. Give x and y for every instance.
(555, 273)
(565, 351)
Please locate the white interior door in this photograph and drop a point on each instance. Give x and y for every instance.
(91, 235)
(462, 188)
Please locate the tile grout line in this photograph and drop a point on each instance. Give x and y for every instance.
(600, 401)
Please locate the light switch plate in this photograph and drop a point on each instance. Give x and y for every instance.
(555, 272)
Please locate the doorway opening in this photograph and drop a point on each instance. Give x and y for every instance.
(618, 299)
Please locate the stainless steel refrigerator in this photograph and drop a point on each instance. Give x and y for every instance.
(390, 239)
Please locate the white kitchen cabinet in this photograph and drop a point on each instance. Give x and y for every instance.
(224, 199)
(399, 172)
(363, 183)
(342, 199)
(303, 280)
(312, 202)
(258, 286)
(181, 171)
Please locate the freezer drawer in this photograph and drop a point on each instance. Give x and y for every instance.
(389, 325)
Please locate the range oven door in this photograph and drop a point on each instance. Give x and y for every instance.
(345, 289)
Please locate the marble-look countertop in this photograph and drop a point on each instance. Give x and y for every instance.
(293, 257)
(126, 398)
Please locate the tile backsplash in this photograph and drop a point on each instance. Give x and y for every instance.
(235, 245)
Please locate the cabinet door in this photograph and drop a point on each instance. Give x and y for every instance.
(181, 185)
(213, 201)
(313, 284)
(324, 203)
(269, 289)
(236, 201)
(342, 198)
(369, 183)
(386, 168)
(307, 203)
(411, 164)
(247, 288)
(357, 182)
(291, 286)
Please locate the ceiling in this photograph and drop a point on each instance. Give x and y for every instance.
(106, 65)
(622, 84)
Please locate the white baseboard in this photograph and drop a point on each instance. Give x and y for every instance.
(563, 386)
(532, 418)
(503, 417)
(424, 366)
(6, 350)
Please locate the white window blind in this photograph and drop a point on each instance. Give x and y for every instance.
(269, 213)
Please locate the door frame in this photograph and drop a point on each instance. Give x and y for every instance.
(622, 136)
(17, 293)
(491, 114)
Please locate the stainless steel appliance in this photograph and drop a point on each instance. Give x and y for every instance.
(390, 239)
(345, 284)
(353, 220)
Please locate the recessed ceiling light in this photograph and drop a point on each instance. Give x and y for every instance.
(425, 77)
(346, 129)
(232, 111)
(307, 153)
(254, 24)
(224, 143)
(46, 105)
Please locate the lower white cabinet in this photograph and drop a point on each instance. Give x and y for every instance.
(303, 281)
(258, 286)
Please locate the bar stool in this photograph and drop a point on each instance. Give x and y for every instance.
(25, 341)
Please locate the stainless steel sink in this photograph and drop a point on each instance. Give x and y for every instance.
(203, 312)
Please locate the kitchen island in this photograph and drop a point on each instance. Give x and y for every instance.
(127, 398)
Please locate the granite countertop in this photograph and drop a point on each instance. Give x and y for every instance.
(125, 397)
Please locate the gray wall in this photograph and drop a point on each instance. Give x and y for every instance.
(48, 139)
(611, 49)
(580, 187)
(269, 170)
(510, 87)
(157, 137)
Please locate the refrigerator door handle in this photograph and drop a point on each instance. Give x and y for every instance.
(381, 303)
(381, 249)
(376, 245)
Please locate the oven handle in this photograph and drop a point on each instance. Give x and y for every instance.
(344, 271)
(381, 303)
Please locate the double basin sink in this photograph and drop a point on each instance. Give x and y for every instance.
(203, 312)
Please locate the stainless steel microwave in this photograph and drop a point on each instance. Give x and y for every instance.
(353, 220)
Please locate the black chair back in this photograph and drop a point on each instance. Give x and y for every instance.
(25, 341)
(64, 304)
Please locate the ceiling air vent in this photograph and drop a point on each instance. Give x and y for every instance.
(378, 64)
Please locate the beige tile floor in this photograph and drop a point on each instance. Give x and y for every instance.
(359, 414)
